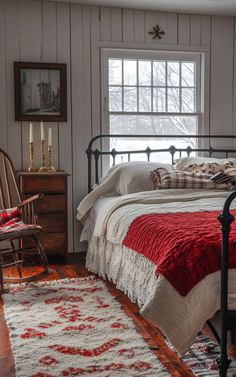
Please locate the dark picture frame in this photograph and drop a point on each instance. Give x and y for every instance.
(40, 92)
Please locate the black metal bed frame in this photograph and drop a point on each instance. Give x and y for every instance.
(228, 317)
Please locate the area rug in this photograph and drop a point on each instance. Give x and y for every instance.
(202, 356)
(76, 327)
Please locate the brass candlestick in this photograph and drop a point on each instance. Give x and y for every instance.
(50, 168)
(31, 168)
(43, 167)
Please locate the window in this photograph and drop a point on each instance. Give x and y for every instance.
(151, 92)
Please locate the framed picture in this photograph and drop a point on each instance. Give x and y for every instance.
(40, 92)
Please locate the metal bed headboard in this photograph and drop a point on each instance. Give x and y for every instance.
(95, 154)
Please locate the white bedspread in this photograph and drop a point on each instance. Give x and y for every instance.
(179, 317)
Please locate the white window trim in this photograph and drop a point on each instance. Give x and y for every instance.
(183, 55)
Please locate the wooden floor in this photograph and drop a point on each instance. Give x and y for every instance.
(150, 333)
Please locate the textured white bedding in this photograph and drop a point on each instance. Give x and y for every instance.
(89, 224)
(101, 202)
(179, 317)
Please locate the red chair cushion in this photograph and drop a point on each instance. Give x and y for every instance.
(12, 225)
(8, 214)
(15, 226)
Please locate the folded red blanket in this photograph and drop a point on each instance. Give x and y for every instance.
(184, 246)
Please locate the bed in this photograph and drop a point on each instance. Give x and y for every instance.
(125, 202)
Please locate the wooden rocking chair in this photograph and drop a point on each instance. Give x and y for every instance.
(18, 220)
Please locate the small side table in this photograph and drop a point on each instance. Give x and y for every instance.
(52, 208)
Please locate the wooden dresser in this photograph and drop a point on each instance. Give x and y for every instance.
(52, 208)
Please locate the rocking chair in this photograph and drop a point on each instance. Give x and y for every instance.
(18, 222)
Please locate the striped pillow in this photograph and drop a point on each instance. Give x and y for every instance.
(164, 179)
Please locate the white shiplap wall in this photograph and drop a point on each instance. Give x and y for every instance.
(34, 30)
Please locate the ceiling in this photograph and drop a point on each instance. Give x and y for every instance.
(221, 7)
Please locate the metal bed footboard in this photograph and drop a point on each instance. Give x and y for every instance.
(228, 317)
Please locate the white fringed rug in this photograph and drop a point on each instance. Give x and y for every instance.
(75, 327)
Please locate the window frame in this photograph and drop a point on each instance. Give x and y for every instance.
(157, 55)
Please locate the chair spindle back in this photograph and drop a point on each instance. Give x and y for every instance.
(9, 192)
(28, 213)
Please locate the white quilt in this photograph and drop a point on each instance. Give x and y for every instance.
(179, 317)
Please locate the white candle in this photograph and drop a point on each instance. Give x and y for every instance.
(50, 137)
(42, 131)
(31, 133)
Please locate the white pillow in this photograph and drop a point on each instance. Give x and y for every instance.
(184, 162)
(135, 176)
(125, 178)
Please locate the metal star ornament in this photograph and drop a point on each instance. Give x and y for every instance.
(156, 32)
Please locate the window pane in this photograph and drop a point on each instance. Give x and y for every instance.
(188, 74)
(130, 98)
(159, 73)
(130, 72)
(145, 99)
(152, 125)
(159, 99)
(173, 100)
(173, 73)
(188, 100)
(115, 72)
(146, 85)
(144, 72)
(115, 98)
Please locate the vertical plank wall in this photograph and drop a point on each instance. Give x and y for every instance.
(35, 30)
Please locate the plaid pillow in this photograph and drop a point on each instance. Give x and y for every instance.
(164, 179)
(8, 214)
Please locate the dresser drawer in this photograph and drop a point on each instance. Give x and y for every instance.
(54, 242)
(51, 203)
(43, 183)
(55, 223)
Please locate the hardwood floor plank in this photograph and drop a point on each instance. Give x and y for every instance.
(71, 271)
(81, 270)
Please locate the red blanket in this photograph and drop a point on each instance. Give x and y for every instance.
(184, 246)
